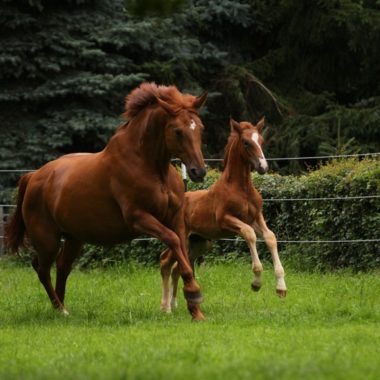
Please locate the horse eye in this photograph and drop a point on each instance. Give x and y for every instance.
(246, 144)
(178, 133)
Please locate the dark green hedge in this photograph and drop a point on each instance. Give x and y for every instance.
(298, 220)
(327, 219)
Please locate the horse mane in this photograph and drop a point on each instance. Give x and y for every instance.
(147, 93)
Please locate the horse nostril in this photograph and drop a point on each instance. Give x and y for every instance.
(193, 172)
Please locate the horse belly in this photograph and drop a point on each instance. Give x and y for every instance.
(83, 207)
(93, 221)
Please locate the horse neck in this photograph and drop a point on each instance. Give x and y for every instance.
(142, 142)
(236, 169)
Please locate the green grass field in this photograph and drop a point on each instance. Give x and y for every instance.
(327, 328)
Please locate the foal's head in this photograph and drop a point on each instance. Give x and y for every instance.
(250, 143)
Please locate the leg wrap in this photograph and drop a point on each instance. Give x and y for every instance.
(194, 298)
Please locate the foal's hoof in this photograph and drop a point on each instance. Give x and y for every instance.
(255, 287)
(193, 298)
(174, 303)
(281, 293)
(65, 312)
(165, 309)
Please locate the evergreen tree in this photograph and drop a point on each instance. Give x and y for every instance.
(312, 67)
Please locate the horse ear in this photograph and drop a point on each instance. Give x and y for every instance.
(200, 101)
(166, 106)
(260, 125)
(235, 126)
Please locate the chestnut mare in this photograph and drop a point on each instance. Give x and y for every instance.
(232, 206)
(128, 189)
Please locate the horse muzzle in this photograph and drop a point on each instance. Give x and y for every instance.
(196, 174)
(261, 166)
(262, 170)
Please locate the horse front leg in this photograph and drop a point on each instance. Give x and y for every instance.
(147, 224)
(271, 242)
(236, 226)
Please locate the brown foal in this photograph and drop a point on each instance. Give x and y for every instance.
(232, 206)
(128, 189)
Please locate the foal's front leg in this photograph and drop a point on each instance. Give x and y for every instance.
(271, 242)
(235, 225)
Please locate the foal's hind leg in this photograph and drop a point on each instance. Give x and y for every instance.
(148, 224)
(68, 253)
(166, 263)
(174, 287)
(271, 242)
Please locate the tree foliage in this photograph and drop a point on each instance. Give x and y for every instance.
(312, 67)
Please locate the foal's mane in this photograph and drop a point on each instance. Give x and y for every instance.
(232, 139)
(227, 150)
(147, 93)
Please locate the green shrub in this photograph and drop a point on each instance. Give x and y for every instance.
(327, 219)
(296, 220)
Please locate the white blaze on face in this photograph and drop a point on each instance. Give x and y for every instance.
(192, 125)
(262, 160)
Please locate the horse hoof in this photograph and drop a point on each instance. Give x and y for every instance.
(193, 298)
(65, 312)
(198, 318)
(174, 304)
(281, 293)
(255, 287)
(196, 313)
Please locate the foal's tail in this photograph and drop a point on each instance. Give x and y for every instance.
(15, 226)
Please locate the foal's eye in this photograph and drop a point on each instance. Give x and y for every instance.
(178, 133)
(246, 144)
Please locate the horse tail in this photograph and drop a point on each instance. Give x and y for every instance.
(15, 226)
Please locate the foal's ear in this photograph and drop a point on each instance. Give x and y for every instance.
(261, 124)
(200, 101)
(235, 126)
(167, 107)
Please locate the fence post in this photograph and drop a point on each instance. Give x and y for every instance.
(1, 230)
(184, 174)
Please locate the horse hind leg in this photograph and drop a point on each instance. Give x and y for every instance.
(47, 248)
(69, 252)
